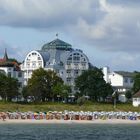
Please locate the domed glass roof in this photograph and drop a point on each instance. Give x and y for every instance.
(57, 44)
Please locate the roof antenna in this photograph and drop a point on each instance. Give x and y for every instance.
(57, 35)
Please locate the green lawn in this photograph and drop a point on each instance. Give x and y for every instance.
(61, 107)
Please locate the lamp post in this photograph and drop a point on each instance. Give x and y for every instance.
(114, 96)
(114, 102)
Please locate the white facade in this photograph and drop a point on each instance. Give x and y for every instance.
(10, 71)
(32, 62)
(106, 71)
(136, 101)
(11, 68)
(120, 81)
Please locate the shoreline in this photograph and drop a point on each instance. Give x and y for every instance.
(98, 121)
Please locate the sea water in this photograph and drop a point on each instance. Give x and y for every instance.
(69, 132)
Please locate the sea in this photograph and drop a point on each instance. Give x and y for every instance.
(69, 131)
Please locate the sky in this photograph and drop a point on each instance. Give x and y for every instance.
(108, 31)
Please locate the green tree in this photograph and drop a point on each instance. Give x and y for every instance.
(65, 92)
(3, 85)
(9, 87)
(91, 83)
(25, 92)
(128, 94)
(12, 88)
(41, 84)
(136, 85)
(57, 90)
(81, 100)
(62, 91)
(52, 81)
(37, 84)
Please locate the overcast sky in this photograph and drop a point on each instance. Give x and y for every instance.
(108, 31)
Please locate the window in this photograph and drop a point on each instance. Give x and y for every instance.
(34, 64)
(20, 84)
(76, 58)
(68, 71)
(76, 64)
(28, 65)
(39, 58)
(68, 79)
(83, 59)
(131, 80)
(126, 80)
(68, 63)
(135, 99)
(40, 63)
(61, 63)
(83, 64)
(19, 74)
(76, 72)
(33, 53)
(70, 58)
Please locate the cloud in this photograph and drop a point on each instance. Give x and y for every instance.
(110, 26)
(125, 61)
(12, 51)
(118, 30)
(43, 13)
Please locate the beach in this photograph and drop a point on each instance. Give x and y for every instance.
(99, 121)
(69, 117)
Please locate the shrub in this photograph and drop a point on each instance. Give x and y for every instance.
(81, 100)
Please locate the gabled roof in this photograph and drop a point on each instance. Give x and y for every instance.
(125, 73)
(6, 62)
(56, 44)
(137, 94)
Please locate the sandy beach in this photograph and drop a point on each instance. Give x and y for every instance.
(69, 117)
(98, 121)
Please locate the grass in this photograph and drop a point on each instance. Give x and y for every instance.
(44, 107)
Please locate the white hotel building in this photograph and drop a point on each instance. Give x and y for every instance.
(59, 56)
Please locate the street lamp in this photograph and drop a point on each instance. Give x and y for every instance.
(114, 96)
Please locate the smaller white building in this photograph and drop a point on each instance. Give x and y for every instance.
(136, 99)
(11, 68)
(121, 81)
